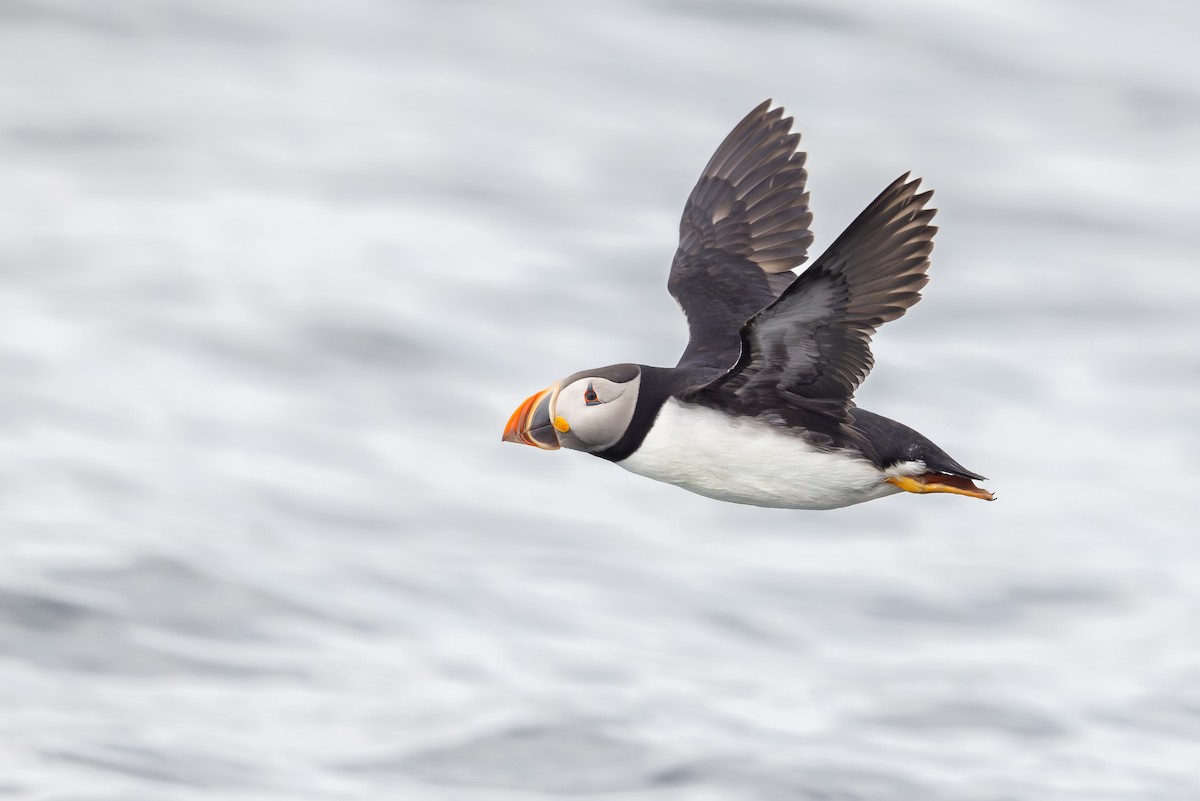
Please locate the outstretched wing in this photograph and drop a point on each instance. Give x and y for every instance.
(811, 348)
(744, 227)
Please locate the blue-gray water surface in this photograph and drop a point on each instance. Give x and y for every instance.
(273, 275)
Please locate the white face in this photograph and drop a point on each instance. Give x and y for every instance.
(596, 411)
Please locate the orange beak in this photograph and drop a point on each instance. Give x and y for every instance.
(533, 421)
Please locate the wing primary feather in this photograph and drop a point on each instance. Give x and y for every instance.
(746, 219)
(772, 123)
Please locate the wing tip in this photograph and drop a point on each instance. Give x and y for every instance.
(751, 190)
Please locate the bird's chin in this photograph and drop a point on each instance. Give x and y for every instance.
(533, 421)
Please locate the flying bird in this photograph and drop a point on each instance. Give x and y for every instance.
(760, 408)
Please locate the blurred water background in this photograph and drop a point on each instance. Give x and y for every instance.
(273, 275)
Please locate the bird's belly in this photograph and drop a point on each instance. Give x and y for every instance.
(747, 460)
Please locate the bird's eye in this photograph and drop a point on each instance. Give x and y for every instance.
(590, 398)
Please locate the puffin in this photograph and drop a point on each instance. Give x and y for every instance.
(760, 408)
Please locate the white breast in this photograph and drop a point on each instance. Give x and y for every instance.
(747, 460)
